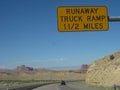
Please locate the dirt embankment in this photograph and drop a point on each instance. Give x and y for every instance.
(105, 71)
(42, 75)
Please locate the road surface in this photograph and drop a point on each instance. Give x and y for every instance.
(62, 87)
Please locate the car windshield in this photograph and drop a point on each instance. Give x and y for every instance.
(59, 44)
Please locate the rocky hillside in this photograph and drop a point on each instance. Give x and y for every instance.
(105, 71)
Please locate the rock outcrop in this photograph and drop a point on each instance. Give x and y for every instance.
(84, 68)
(24, 68)
(105, 71)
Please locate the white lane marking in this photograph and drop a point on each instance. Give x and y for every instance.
(57, 87)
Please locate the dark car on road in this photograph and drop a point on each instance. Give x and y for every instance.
(63, 83)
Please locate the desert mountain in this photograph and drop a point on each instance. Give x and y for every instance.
(105, 71)
(24, 68)
(29, 73)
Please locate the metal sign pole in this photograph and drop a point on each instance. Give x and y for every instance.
(114, 18)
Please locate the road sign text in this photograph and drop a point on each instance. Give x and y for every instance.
(82, 18)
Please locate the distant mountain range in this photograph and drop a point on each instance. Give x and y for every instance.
(29, 73)
(24, 68)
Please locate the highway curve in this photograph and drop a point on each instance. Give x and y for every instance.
(62, 87)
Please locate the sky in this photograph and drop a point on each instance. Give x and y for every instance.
(29, 35)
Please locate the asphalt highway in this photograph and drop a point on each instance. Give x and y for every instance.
(54, 87)
(63, 87)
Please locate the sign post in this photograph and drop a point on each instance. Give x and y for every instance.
(114, 18)
(82, 18)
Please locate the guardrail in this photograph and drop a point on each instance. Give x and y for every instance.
(29, 87)
(116, 86)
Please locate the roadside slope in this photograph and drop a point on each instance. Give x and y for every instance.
(105, 71)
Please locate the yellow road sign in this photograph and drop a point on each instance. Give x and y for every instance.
(82, 18)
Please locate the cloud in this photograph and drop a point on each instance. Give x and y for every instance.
(3, 67)
(56, 59)
(49, 60)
